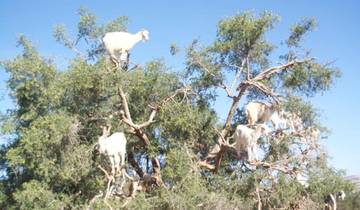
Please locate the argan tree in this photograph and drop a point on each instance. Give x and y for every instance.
(179, 154)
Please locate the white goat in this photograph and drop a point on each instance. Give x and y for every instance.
(122, 42)
(331, 200)
(246, 140)
(259, 112)
(114, 147)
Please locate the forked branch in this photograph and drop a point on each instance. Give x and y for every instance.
(137, 129)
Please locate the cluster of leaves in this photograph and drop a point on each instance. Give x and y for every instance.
(49, 162)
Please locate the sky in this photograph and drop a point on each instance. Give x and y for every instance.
(179, 22)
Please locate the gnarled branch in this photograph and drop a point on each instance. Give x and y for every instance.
(277, 69)
(137, 128)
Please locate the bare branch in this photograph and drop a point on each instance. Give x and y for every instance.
(218, 150)
(207, 165)
(219, 158)
(266, 90)
(105, 172)
(213, 153)
(126, 118)
(248, 68)
(110, 179)
(259, 207)
(237, 76)
(156, 172)
(216, 155)
(227, 90)
(125, 104)
(276, 69)
(151, 119)
(128, 122)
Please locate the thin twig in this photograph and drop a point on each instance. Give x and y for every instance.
(237, 76)
(110, 180)
(221, 84)
(247, 68)
(258, 198)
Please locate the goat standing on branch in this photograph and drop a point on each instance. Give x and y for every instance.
(259, 112)
(114, 147)
(246, 141)
(122, 42)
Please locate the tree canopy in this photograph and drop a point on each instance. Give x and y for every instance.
(177, 147)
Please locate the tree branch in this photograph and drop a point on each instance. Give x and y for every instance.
(136, 129)
(135, 165)
(248, 68)
(237, 76)
(151, 119)
(156, 172)
(259, 207)
(126, 118)
(219, 149)
(125, 105)
(266, 90)
(221, 84)
(110, 180)
(276, 69)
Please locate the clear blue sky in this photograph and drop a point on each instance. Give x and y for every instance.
(337, 38)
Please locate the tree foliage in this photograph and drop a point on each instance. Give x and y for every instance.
(168, 119)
